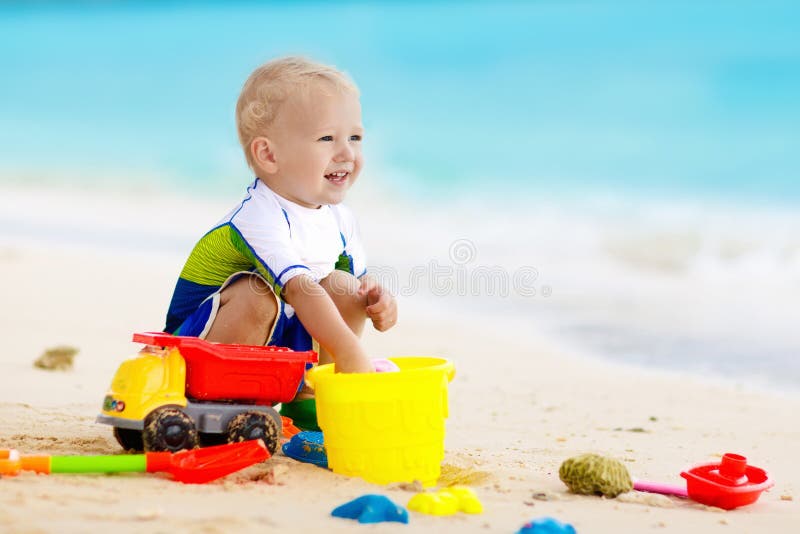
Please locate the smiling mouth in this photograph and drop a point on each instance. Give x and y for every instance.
(337, 178)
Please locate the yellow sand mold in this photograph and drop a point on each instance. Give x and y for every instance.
(447, 501)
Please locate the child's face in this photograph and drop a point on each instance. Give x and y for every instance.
(316, 141)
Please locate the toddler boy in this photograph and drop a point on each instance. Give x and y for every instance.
(286, 265)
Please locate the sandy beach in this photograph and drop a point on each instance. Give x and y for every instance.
(591, 208)
(519, 406)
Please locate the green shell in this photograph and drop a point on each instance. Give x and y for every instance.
(592, 474)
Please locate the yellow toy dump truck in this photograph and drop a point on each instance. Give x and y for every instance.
(179, 392)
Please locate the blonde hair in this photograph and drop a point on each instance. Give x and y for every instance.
(270, 85)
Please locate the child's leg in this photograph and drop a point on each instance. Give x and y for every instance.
(343, 290)
(247, 311)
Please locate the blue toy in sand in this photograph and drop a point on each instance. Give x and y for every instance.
(372, 509)
(546, 525)
(307, 447)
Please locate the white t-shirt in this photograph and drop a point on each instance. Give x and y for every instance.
(274, 237)
(291, 239)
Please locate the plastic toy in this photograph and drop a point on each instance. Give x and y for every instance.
(303, 412)
(728, 484)
(447, 501)
(434, 503)
(372, 509)
(393, 427)
(546, 525)
(178, 387)
(289, 430)
(192, 467)
(663, 489)
(307, 447)
(383, 365)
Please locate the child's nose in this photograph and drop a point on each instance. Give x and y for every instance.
(344, 152)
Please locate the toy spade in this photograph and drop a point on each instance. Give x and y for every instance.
(663, 489)
(727, 484)
(195, 466)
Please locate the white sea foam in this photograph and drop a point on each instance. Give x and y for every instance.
(676, 284)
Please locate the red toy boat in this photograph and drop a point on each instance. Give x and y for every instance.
(728, 484)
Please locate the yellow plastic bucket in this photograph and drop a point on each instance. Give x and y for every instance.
(385, 427)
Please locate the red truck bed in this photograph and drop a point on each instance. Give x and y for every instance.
(244, 373)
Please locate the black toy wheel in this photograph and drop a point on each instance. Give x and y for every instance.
(131, 440)
(169, 429)
(254, 425)
(208, 439)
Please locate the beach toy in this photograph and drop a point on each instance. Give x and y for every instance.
(382, 365)
(434, 503)
(289, 430)
(372, 509)
(546, 525)
(592, 474)
(663, 489)
(192, 467)
(307, 447)
(180, 388)
(447, 501)
(385, 427)
(303, 412)
(728, 484)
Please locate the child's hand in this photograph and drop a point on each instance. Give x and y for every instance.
(381, 306)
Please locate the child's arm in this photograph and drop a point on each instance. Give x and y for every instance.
(322, 320)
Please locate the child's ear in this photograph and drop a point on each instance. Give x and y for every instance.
(263, 154)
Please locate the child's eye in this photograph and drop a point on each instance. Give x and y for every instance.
(326, 138)
(355, 138)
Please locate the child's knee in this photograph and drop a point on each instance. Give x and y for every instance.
(253, 296)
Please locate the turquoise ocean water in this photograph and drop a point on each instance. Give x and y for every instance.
(653, 148)
(677, 97)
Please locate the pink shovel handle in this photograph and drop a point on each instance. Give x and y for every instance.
(663, 489)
